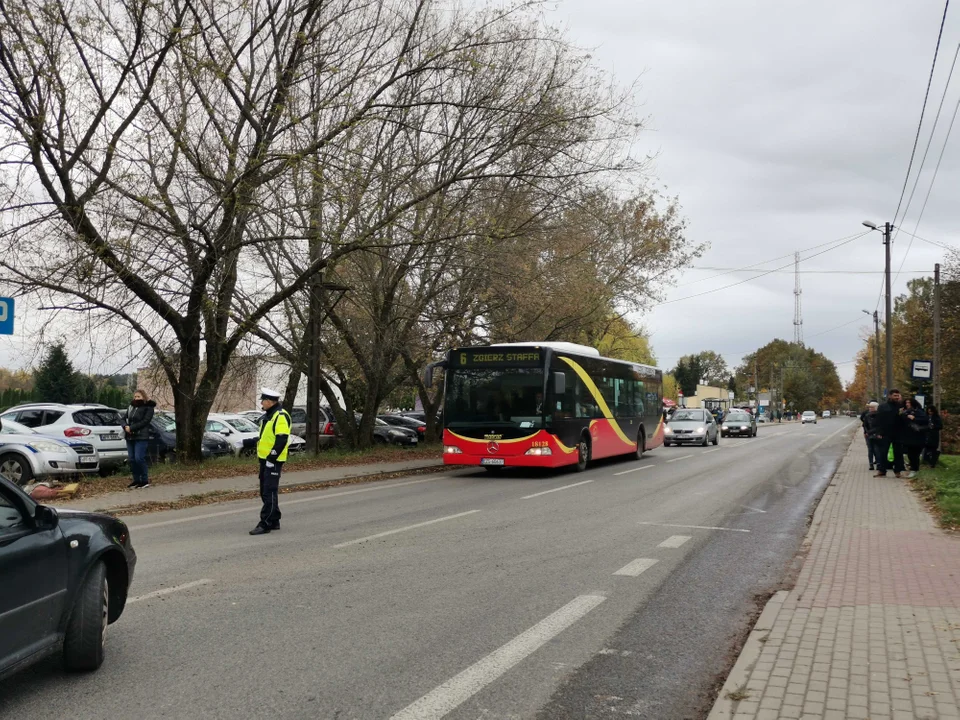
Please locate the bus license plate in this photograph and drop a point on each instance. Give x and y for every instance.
(491, 461)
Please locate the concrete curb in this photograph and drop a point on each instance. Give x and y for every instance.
(724, 708)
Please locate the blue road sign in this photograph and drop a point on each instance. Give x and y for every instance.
(6, 316)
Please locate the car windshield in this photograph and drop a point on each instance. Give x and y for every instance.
(687, 415)
(494, 397)
(14, 428)
(167, 423)
(243, 425)
(381, 422)
(809, 413)
(738, 417)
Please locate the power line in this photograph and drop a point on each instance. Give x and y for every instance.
(763, 274)
(824, 332)
(945, 246)
(815, 272)
(923, 110)
(755, 266)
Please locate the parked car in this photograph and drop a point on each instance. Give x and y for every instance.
(394, 435)
(239, 432)
(66, 576)
(807, 417)
(162, 446)
(826, 414)
(407, 422)
(298, 427)
(98, 425)
(26, 455)
(738, 423)
(691, 425)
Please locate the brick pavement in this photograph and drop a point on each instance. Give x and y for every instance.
(872, 627)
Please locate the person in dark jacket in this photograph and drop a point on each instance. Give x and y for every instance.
(931, 452)
(915, 428)
(136, 427)
(866, 420)
(888, 431)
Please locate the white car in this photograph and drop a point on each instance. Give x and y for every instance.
(98, 425)
(26, 455)
(807, 417)
(241, 433)
(826, 414)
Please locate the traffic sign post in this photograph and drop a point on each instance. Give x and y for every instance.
(6, 316)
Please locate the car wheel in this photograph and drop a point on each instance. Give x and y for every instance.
(641, 445)
(667, 443)
(16, 468)
(716, 439)
(583, 453)
(87, 630)
(706, 439)
(377, 440)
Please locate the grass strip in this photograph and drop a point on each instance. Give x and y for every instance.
(941, 487)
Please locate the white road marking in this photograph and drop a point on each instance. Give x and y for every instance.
(167, 591)
(451, 694)
(828, 437)
(324, 496)
(682, 457)
(756, 510)
(674, 541)
(693, 527)
(563, 487)
(404, 529)
(633, 470)
(707, 452)
(636, 567)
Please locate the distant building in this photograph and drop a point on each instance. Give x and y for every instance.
(240, 389)
(707, 396)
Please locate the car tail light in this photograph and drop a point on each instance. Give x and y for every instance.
(422, 428)
(328, 429)
(76, 432)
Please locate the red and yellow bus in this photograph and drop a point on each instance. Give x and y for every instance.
(546, 405)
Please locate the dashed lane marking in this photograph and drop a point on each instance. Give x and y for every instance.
(404, 529)
(682, 457)
(633, 569)
(563, 487)
(692, 527)
(674, 541)
(167, 591)
(458, 689)
(633, 470)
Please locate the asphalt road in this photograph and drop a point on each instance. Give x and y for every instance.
(619, 591)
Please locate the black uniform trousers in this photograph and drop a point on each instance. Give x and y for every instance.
(269, 492)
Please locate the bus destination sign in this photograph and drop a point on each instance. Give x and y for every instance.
(486, 357)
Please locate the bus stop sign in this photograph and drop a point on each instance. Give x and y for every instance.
(6, 316)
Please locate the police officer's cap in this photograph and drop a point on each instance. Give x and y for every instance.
(268, 394)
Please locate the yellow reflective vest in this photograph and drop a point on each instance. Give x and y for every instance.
(270, 427)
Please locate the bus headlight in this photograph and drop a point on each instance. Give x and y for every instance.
(539, 451)
(452, 450)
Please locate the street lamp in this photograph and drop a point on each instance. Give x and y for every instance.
(887, 229)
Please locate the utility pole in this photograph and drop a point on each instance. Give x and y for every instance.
(936, 335)
(887, 229)
(876, 352)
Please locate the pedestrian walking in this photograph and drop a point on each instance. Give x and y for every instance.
(888, 430)
(136, 429)
(931, 452)
(867, 419)
(272, 453)
(916, 424)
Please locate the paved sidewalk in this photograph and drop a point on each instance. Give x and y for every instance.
(872, 628)
(174, 491)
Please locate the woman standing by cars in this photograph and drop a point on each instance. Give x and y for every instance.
(915, 433)
(136, 426)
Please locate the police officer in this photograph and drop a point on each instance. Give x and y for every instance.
(272, 452)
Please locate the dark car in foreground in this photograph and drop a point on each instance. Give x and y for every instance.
(738, 423)
(65, 577)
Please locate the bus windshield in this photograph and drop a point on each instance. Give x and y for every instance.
(494, 397)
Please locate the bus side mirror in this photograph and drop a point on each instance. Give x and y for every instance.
(559, 383)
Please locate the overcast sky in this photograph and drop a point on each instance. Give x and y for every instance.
(781, 126)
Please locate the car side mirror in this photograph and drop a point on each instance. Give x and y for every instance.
(45, 518)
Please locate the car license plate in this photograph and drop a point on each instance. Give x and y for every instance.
(491, 461)
(110, 436)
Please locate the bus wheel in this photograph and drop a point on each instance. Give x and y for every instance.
(583, 453)
(641, 445)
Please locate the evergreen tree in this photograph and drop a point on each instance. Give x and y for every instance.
(55, 380)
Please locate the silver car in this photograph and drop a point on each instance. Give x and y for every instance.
(691, 426)
(26, 455)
